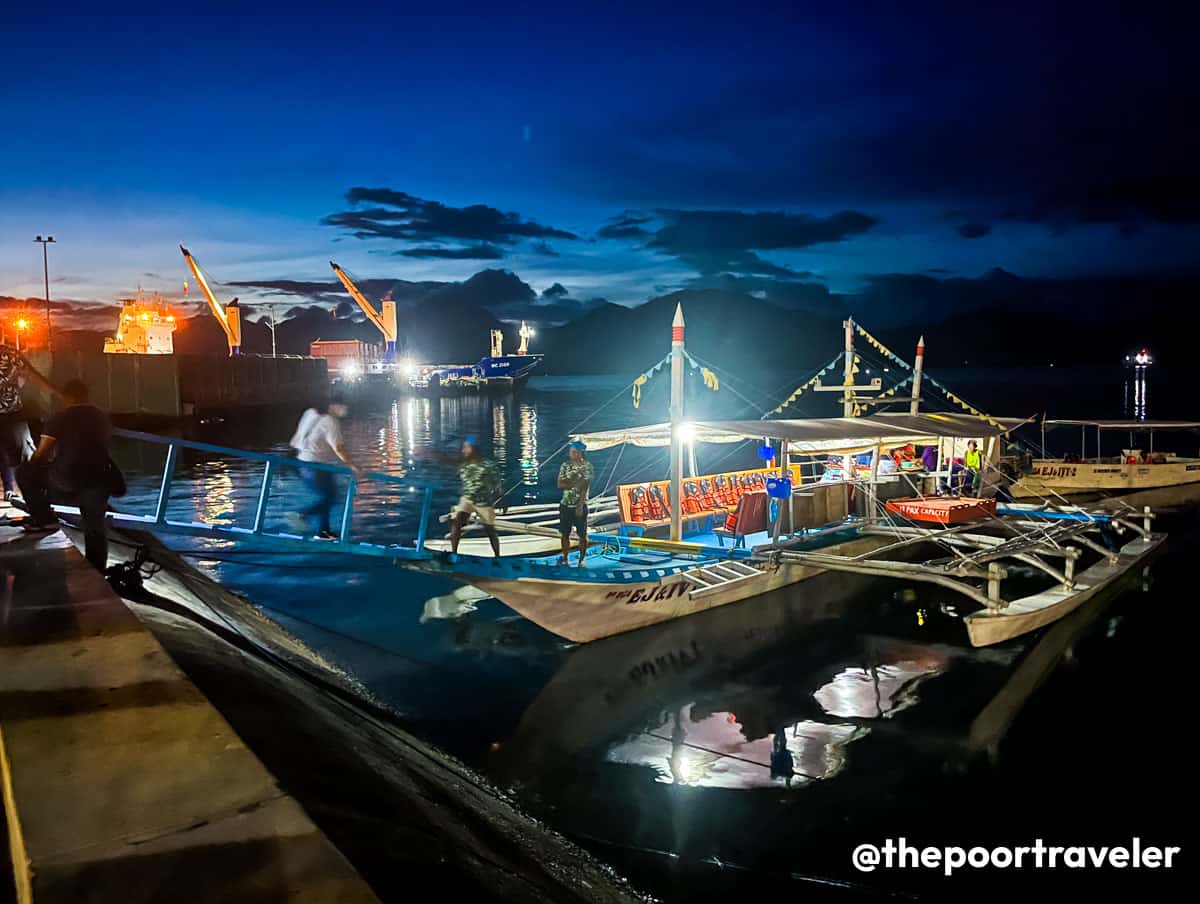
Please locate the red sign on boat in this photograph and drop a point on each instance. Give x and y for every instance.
(952, 510)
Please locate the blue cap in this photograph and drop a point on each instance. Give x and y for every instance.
(578, 444)
(470, 440)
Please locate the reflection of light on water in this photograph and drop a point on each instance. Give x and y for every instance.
(1136, 394)
(410, 419)
(214, 502)
(714, 753)
(500, 432)
(529, 445)
(872, 693)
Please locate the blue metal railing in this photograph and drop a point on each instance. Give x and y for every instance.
(272, 464)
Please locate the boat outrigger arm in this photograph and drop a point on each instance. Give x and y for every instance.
(384, 319)
(228, 316)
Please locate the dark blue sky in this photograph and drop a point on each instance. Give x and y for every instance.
(617, 151)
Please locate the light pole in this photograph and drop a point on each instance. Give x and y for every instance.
(46, 272)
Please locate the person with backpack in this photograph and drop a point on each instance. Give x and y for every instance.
(72, 463)
(481, 491)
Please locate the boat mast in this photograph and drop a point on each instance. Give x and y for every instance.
(918, 368)
(677, 423)
(848, 370)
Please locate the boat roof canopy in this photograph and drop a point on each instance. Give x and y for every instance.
(831, 434)
(1128, 425)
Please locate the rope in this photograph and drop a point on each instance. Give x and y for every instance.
(547, 459)
(800, 390)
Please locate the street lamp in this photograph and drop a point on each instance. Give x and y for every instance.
(46, 272)
(22, 325)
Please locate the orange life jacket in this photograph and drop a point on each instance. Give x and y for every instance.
(691, 498)
(724, 491)
(637, 504)
(659, 508)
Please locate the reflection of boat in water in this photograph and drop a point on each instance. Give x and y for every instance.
(733, 689)
(777, 694)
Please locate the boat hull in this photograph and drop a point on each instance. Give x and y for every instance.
(1164, 485)
(584, 611)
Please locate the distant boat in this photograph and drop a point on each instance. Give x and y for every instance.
(1135, 478)
(497, 372)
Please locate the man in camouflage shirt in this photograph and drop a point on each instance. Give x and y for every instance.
(574, 479)
(480, 491)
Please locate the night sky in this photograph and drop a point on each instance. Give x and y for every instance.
(617, 152)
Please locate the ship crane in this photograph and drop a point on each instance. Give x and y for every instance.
(384, 319)
(229, 316)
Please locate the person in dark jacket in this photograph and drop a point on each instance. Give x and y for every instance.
(15, 442)
(71, 462)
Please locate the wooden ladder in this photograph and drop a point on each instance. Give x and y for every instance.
(712, 578)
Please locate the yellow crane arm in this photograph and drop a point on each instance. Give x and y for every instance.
(361, 300)
(217, 310)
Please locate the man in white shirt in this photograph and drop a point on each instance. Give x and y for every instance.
(319, 439)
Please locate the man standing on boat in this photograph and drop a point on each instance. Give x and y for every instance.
(574, 479)
(480, 491)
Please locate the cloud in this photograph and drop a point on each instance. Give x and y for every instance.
(728, 241)
(544, 249)
(974, 230)
(478, 231)
(471, 252)
(627, 225)
(558, 290)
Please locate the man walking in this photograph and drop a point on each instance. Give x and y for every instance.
(480, 491)
(318, 439)
(574, 479)
(72, 461)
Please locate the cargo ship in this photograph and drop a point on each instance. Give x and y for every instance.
(497, 373)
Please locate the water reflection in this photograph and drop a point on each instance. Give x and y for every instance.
(530, 473)
(1136, 392)
(878, 692)
(712, 751)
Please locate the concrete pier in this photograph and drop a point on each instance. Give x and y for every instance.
(121, 782)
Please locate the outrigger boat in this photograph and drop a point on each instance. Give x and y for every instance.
(815, 527)
(1135, 478)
